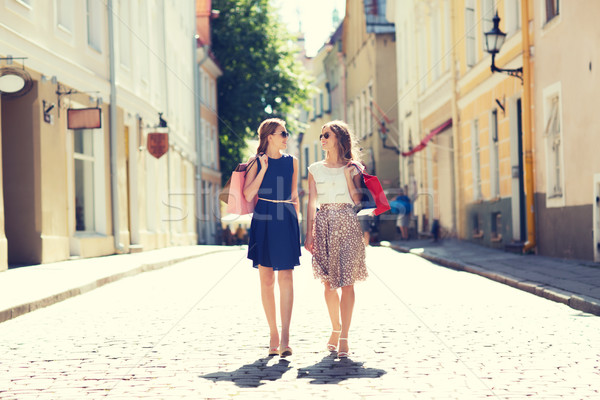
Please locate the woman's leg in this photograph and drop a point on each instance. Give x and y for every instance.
(267, 294)
(332, 300)
(346, 307)
(285, 279)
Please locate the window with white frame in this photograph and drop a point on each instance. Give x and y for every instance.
(94, 13)
(553, 137)
(512, 16)
(476, 159)
(124, 33)
(447, 35)
(494, 155)
(88, 171)
(423, 50)
(470, 32)
(65, 16)
(488, 10)
(436, 42)
(83, 155)
(317, 146)
(552, 9)
(144, 62)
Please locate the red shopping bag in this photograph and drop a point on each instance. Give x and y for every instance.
(233, 192)
(373, 197)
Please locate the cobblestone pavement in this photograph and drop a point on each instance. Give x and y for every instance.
(197, 330)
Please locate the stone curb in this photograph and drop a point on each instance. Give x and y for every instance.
(572, 300)
(21, 309)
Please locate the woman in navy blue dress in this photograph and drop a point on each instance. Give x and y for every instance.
(274, 243)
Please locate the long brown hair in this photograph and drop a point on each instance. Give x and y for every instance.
(346, 145)
(266, 129)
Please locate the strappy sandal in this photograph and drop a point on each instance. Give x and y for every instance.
(285, 351)
(273, 351)
(333, 347)
(343, 354)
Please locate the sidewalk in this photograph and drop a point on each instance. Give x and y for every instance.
(26, 289)
(575, 283)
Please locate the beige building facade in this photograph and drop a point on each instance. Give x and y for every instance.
(567, 166)
(91, 192)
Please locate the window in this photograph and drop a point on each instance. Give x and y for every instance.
(436, 40)
(496, 226)
(94, 11)
(512, 11)
(321, 104)
(494, 156)
(488, 10)
(475, 150)
(144, 55)
(553, 136)
(314, 109)
(423, 49)
(124, 34)
(305, 162)
(552, 9)
(65, 15)
(477, 231)
(83, 155)
(471, 28)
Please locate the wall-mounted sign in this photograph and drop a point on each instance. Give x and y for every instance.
(14, 82)
(84, 118)
(157, 143)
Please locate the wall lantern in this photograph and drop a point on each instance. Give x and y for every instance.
(14, 82)
(494, 40)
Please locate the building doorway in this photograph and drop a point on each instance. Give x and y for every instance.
(21, 178)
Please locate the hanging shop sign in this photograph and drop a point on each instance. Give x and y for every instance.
(157, 143)
(84, 118)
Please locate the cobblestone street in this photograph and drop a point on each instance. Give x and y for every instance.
(197, 330)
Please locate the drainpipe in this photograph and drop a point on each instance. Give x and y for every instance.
(457, 220)
(527, 134)
(198, 114)
(114, 182)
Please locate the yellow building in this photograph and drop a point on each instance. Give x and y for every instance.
(370, 54)
(96, 191)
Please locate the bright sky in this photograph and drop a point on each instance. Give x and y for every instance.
(316, 18)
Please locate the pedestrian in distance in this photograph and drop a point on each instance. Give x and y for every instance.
(334, 235)
(403, 206)
(274, 240)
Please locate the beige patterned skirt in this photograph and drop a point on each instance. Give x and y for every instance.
(338, 249)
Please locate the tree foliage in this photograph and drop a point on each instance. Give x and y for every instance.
(262, 75)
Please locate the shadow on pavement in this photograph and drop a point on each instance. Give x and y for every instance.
(252, 375)
(329, 370)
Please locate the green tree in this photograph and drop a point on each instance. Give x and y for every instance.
(262, 75)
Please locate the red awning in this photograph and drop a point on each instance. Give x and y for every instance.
(427, 138)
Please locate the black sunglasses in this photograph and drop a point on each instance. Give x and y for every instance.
(324, 135)
(283, 134)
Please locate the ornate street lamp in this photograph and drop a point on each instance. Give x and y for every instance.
(494, 40)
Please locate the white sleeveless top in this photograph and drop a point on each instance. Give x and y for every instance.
(331, 183)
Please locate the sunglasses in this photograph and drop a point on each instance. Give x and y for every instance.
(283, 134)
(324, 135)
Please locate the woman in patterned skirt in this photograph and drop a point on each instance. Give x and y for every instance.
(274, 242)
(334, 235)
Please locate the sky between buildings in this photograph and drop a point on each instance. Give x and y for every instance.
(313, 17)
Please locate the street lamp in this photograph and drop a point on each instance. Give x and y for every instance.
(494, 40)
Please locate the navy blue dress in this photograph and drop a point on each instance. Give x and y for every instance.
(274, 233)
